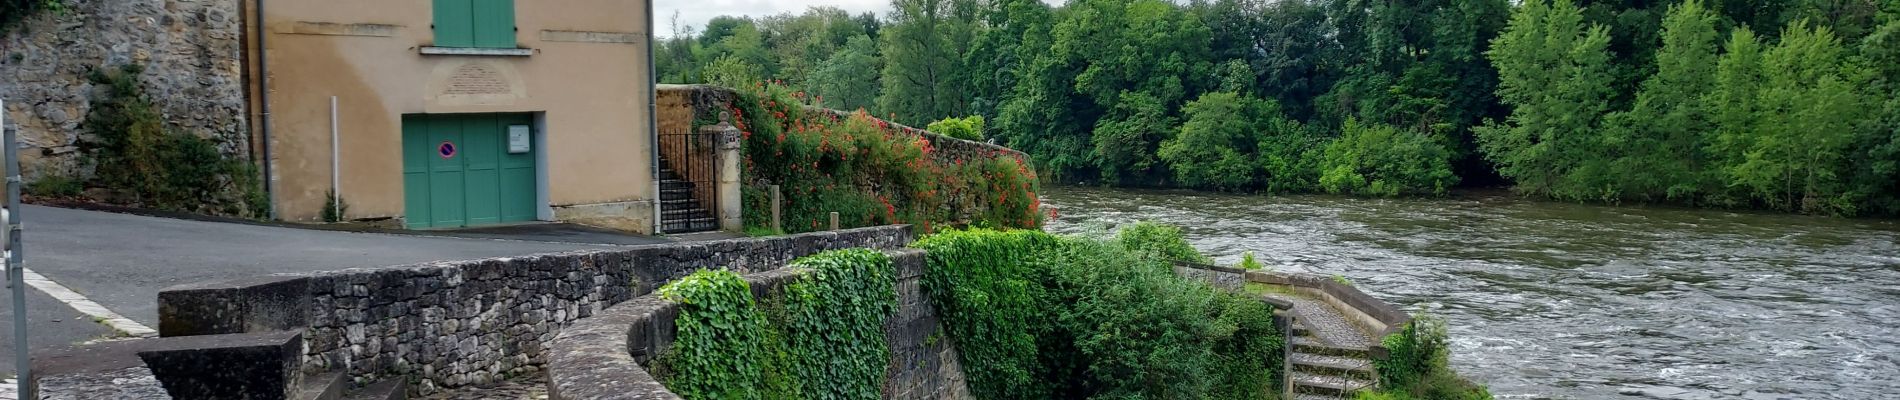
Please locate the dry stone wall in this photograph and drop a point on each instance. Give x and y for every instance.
(191, 50)
(453, 324)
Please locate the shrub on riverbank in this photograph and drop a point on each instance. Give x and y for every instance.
(1417, 366)
(867, 170)
(822, 337)
(1037, 316)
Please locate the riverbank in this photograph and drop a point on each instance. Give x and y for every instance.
(1567, 300)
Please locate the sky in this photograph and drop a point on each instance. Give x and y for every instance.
(695, 13)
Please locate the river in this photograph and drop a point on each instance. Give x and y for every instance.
(1568, 301)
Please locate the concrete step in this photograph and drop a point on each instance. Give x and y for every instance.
(323, 386)
(1300, 329)
(1305, 383)
(224, 366)
(386, 390)
(1310, 396)
(1310, 345)
(1320, 364)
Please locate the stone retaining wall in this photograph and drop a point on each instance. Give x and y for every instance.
(459, 323)
(604, 357)
(1221, 277)
(191, 50)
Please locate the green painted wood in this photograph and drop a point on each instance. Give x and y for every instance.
(494, 23)
(518, 190)
(447, 179)
(415, 171)
(455, 23)
(479, 184)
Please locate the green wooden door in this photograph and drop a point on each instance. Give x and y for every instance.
(457, 171)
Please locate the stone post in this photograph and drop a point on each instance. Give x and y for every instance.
(778, 222)
(730, 218)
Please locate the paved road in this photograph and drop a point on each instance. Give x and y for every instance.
(121, 261)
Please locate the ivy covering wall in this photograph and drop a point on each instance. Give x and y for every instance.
(1037, 316)
(821, 337)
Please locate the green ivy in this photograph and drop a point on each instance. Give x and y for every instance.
(980, 282)
(819, 337)
(719, 350)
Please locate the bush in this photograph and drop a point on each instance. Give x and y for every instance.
(57, 186)
(137, 157)
(334, 208)
(966, 128)
(14, 11)
(1037, 316)
(1417, 365)
(820, 336)
(1247, 261)
(1164, 241)
(1381, 160)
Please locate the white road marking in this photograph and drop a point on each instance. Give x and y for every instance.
(87, 306)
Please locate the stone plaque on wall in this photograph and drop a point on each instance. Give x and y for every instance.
(475, 82)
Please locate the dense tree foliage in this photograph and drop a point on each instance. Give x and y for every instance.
(1785, 104)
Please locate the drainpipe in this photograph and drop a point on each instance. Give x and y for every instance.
(653, 118)
(263, 95)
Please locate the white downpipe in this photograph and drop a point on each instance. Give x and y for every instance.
(336, 163)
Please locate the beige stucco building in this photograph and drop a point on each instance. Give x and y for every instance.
(452, 113)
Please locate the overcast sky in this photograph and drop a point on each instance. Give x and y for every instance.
(695, 13)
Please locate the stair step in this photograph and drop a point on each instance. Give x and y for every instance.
(1310, 396)
(1300, 329)
(1321, 364)
(684, 214)
(1310, 345)
(385, 390)
(1326, 385)
(322, 386)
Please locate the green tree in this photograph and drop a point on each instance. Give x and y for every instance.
(1556, 73)
(923, 46)
(1660, 142)
(1808, 107)
(1217, 145)
(1381, 160)
(848, 80)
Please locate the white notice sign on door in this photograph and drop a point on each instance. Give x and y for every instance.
(518, 139)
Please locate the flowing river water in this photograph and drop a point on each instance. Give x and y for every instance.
(1556, 300)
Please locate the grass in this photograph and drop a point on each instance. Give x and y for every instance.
(1264, 289)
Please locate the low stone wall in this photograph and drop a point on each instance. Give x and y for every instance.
(604, 357)
(459, 323)
(1383, 318)
(1234, 279)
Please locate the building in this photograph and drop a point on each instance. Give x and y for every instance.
(456, 113)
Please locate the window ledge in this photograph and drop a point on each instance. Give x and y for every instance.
(475, 51)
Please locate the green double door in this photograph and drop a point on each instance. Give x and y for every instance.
(457, 171)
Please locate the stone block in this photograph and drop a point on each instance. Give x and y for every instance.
(256, 304)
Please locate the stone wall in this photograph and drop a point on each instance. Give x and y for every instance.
(1233, 279)
(604, 357)
(459, 323)
(191, 50)
(682, 104)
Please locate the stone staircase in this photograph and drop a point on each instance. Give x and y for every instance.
(1330, 358)
(680, 209)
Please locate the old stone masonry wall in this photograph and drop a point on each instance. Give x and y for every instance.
(451, 324)
(191, 50)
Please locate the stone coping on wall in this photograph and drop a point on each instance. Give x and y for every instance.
(458, 323)
(1377, 315)
(605, 356)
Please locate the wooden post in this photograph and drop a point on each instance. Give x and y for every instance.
(778, 223)
(834, 220)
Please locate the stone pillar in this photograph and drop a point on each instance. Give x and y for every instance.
(730, 217)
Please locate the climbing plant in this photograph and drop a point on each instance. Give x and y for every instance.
(139, 158)
(820, 336)
(833, 324)
(719, 350)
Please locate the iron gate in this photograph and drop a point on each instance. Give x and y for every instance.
(689, 174)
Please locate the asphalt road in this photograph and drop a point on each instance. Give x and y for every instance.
(122, 261)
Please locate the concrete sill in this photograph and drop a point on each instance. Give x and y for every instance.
(475, 51)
